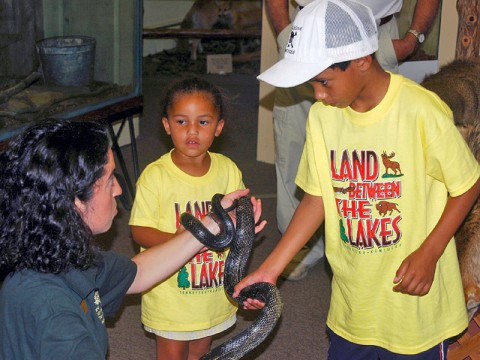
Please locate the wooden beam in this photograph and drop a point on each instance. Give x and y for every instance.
(468, 36)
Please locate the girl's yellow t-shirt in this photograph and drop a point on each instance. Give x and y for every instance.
(193, 298)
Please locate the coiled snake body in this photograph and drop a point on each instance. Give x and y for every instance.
(240, 240)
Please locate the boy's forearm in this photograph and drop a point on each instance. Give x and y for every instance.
(307, 218)
(455, 212)
(416, 273)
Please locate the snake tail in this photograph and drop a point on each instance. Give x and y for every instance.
(241, 344)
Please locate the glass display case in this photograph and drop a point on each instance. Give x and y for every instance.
(66, 58)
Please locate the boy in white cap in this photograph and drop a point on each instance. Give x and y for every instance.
(387, 171)
(291, 106)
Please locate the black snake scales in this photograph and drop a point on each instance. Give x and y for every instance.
(240, 241)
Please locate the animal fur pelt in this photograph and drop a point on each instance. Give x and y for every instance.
(468, 236)
(458, 84)
(209, 14)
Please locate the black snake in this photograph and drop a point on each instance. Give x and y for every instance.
(240, 241)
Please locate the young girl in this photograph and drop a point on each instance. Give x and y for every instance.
(188, 308)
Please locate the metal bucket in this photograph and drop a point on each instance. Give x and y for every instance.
(67, 60)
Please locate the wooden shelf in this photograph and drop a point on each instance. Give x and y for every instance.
(162, 33)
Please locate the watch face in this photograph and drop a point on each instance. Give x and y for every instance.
(421, 38)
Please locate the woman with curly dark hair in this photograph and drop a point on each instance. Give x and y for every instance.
(57, 190)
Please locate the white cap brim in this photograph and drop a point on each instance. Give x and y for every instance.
(289, 73)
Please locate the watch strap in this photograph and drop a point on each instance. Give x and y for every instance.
(420, 37)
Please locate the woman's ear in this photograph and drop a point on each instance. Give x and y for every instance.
(219, 128)
(81, 207)
(166, 125)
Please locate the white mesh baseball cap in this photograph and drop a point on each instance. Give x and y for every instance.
(324, 32)
(303, 2)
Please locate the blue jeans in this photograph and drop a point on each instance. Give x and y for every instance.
(341, 349)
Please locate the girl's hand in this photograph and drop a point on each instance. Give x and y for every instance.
(202, 250)
(257, 211)
(229, 199)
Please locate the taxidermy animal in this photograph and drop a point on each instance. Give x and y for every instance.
(458, 84)
(207, 14)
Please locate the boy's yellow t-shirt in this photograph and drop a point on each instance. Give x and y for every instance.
(193, 298)
(384, 176)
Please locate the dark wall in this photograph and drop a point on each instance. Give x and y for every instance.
(20, 27)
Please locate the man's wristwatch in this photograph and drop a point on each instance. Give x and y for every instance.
(420, 36)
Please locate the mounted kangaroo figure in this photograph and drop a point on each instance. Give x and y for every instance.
(205, 14)
(458, 84)
(467, 237)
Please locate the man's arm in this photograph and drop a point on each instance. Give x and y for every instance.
(416, 273)
(277, 12)
(423, 17)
